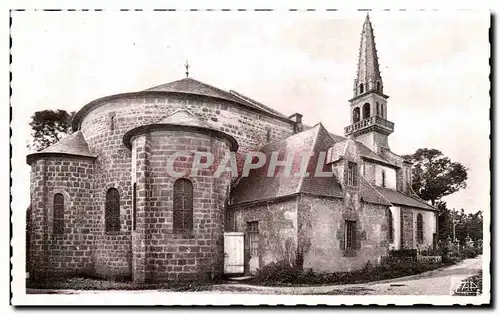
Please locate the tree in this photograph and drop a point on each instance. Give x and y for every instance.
(445, 222)
(435, 175)
(48, 127)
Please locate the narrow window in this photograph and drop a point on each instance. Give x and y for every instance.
(366, 110)
(268, 135)
(391, 226)
(352, 174)
(383, 178)
(420, 229)
(253, 238)
(361, 88)
(355, 115)
(378, 109)
(183, 205)
(58, 214)
(134, 207)
(112, 121)
(379, 86)
(350, 235)
(112, 210)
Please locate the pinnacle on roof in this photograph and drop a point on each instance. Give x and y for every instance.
(368, 67)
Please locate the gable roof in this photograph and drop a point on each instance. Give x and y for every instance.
(181, 119)
(364, 151)
(352, 147)
(258, 186)
(337, 138)
(192, 86)
(184, 117)
(74, 144)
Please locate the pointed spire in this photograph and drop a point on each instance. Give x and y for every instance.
(368, 76)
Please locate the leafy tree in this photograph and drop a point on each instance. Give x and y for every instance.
(445, 222)
(435, 175)
(48, 127)
(470, 224)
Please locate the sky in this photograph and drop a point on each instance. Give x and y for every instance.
(434, 66)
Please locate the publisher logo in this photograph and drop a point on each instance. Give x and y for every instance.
(465, 287)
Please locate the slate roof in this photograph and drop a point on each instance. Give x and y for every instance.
(337, 138)
(370, 194)
(192, 86)
(187, 86)
(180, 119)
(184, 117)
(258, 186)
(390, 197)
(399, 198)
(74, 144)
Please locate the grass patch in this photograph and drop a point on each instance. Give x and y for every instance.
(84, 284)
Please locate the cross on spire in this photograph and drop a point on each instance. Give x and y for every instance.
(187, 68)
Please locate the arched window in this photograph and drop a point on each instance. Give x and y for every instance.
(382, 110)
(379, 86)
(366, 110)
(361, 88)
(383, 178)
(420, 229)
(378, 109)
(112, 210)
(355, 115)
(391, 225)
(58, 214)
(134, 206)
(183, 205)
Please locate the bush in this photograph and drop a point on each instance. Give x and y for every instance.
(280, 271)
(403, 253)
(469, 252)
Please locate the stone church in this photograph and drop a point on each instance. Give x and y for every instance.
(103, 203)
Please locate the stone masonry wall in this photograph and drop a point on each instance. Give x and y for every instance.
(277, 231)
(72, 251)
(104, 128)
(407, 233)
(321, 234)
(168, 254)
(249, 128)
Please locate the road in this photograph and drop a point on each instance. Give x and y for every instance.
(436, 282)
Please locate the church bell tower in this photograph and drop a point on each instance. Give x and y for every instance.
(368, 106)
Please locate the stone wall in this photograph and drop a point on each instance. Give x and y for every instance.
(72, 251)
(321, 234)
(373, 174)
(407, 231)
(159, 252)
(248, 127)
(429, 225)
(277, 231)
(104, 128)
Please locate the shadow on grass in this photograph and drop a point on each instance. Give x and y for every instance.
(347, 291)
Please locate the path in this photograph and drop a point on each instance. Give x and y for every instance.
(435, 282)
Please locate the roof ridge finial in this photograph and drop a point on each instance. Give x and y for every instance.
(187, 68)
